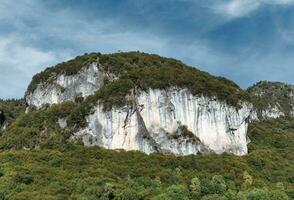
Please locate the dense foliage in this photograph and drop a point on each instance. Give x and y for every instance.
(55, 168)
(37, 128)
(12, 108)
(266, 95)
(145, 71)
(153, 71)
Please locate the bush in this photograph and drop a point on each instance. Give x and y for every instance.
(176, 192)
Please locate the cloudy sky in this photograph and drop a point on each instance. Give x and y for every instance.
(244, 40)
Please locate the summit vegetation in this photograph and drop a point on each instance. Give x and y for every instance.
(143, 71)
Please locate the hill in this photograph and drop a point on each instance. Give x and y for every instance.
(56, 143)
(139, 101)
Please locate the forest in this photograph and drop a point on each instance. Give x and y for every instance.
(35, 166)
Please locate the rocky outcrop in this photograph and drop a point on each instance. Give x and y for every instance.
(272, 99)
(67, 88)
(272, 112)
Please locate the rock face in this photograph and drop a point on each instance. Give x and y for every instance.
(153, 122)
(67, 88)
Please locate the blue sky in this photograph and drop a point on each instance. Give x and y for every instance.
(243, 40)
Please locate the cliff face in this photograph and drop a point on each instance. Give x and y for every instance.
(170, 119)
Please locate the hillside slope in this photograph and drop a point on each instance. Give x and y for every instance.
(71, 171)
(272, 99)
(9, 111)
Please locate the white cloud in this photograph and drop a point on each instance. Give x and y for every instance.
(18, 62)
(16, 55)
(237, 8)
(240, 8)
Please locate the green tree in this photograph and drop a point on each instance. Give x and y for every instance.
(157, 182)
(258, 194)
(162, 196)
(176, 192)
(219, 184)
(247, 180)
(231, 194)
(128, 194)
(195, 186)
(280, 186)
(279, 195)
(214, 197)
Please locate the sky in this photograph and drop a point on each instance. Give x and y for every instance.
(243, 40)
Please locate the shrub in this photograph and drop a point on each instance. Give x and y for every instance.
(195, 186)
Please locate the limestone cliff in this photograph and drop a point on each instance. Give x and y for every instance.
(152, 124)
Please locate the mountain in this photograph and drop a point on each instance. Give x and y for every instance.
(138, 101)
